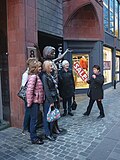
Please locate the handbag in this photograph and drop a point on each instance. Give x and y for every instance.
(74, 105)
(53, 115)
(22, 92)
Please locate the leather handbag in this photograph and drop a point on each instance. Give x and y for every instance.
(22, 92)
(74, 105)
(53, 115)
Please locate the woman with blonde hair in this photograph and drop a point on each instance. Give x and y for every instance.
(50, 97)
(26, 121)
(35, 97)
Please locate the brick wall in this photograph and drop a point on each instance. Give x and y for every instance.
(83, 20)
(50, 17)
(22, 31)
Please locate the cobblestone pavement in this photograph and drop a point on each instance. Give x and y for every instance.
(87, 138)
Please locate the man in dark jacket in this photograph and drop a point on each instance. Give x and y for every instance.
(96, 91)
(66, 86)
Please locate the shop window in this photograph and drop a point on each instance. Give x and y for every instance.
(117, 76)
(107, 64)
(83, 60)
(117, 68)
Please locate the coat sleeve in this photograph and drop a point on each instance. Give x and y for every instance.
(47, 91)
(99, 79)
(30, 89)
(73, 80)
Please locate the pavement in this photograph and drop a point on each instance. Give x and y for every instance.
(87, 138)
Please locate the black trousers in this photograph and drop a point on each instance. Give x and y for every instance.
(99, 104)
(65, 101)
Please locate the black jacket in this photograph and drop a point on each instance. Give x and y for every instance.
(49, 88)
(66, 84)
(96, 87)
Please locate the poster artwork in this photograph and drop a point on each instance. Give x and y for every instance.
(81, 73)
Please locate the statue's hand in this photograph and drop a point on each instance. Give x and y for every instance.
(68, 50)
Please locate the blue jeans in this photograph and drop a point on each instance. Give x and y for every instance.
(26, 121)
(65, 101)
(33, 120)
(47, 126)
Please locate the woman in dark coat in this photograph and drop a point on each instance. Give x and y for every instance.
(66, 86)
(96, 91)
(50, 97)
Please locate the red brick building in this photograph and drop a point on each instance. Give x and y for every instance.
(18, 29)
(22, 24)
(91, 28)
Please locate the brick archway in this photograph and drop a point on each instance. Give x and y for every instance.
(83, 22)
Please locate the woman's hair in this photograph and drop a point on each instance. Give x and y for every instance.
(64, 62)
(97, 67)
(46, 65)
(31, 60)
(33, 67)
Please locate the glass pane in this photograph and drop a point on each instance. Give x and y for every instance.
(105, 10)
(83, 61)
(111, 17)
(116, 18)
(119, 21)
(117, 64)
(107, 62)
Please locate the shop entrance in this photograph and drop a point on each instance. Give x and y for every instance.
(4, 78)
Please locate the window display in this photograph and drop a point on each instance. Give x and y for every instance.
(82, 60)
(117, 77)
(117, 64)
(107, 64)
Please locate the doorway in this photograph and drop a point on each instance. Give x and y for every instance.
(4, 78)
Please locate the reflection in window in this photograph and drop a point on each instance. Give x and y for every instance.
(111, 17)
(105, 8)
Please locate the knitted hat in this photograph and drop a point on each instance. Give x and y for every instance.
(64, 62)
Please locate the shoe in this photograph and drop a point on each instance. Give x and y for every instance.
(56, 132)
(50, 138)
(64, 114)
(85, 114)
(60, 130)
(71, 114)
(38, 141)
(100, 116)
(23, 133)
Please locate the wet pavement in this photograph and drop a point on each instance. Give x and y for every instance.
(87, 138)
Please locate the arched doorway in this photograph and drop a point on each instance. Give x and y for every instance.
(83, 24)
(4, 80)
(83, 35)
